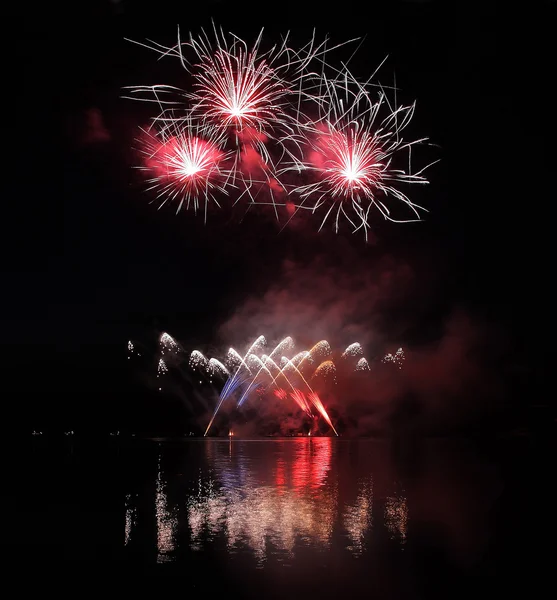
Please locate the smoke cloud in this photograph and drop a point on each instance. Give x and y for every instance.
(449, 376)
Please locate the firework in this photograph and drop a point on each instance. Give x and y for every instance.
(260, 103)
(249, 95)
(352, 154)
(286, 372)
(197, 360)
(354, 349)
(362, 365)
(253, 117)
(252, 372)
(217, 367)
(325, 369)
(397, 358)
(186, 164)
(236, 85)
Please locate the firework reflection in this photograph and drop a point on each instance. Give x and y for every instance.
(274, 511)
(166, 521)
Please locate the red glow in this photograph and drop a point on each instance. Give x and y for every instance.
(312, 463)
(280, 393)
(280, 474)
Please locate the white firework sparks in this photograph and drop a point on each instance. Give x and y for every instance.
(354, 349)
(397, 358)
(362, 365)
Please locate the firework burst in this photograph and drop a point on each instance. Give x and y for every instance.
(267, 114)
(352, 154)
(187, 164)
(237, 86)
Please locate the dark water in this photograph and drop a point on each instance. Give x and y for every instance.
(313, 517)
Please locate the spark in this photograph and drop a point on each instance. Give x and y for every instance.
(217, 367)
(362, 365)
(285, 344)
(322, 348)
(316, 401)
(397, 358)
(280, 393)
(354, 349)
(298, 358)
(258, 374)
(162, 368)
(300, 399)
(197, 360)
(168, 344)
(327, 367)
(234, 380)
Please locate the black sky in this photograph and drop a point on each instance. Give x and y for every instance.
(90, 263)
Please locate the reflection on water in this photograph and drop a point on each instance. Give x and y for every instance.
(272, 498)
(357, 517)
(267, 509)
(166, 520)
(306, 517)
(130, 518)
(396, 517)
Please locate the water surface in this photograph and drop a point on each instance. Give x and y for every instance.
(319, 516)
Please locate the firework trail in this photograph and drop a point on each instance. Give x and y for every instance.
(280, 393)
(322, 348)
(252, 371)
(234, 381)
(316, 401)
(254, 383)
(286, 343)
(300, 399)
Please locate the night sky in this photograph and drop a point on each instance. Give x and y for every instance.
(91, 264)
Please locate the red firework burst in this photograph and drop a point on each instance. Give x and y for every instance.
(350, 163)
(238, 90)
(186, 164)
(351, 155)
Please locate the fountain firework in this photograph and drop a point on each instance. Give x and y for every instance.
(290, 375)
(255, 372)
